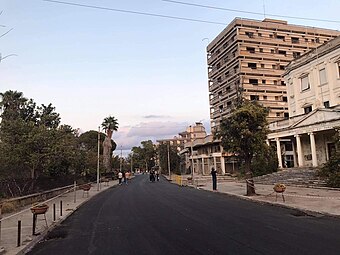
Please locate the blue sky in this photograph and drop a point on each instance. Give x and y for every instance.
(148, 72)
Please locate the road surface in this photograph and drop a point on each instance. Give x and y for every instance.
(163, 218)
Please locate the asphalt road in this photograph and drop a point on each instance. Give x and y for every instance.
(163, 218)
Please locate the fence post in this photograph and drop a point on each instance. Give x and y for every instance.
(75, 191)
(54, 216)
(19, 233)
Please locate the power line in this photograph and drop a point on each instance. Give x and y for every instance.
(249, 12)
(134, 12)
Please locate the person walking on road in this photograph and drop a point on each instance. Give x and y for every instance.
(120, 177)
(127, 177)
(214, 178)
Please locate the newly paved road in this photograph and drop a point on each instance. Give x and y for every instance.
(162, 218)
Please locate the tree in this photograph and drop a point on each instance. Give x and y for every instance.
(174, 158)
(109, 125)
(144, 156)
(331, 170)
(244, 133)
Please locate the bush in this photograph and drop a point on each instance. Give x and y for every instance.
(264, 162)
(331, 171)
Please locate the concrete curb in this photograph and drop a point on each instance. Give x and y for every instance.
(42, 235)
(305, 211)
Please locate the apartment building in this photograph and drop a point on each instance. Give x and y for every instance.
(313, 82)
(247, 60)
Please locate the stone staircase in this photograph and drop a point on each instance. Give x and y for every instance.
(292, 176)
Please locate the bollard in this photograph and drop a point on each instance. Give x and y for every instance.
(19, 233)
(54, 216)
(75, 191)
(61, 208)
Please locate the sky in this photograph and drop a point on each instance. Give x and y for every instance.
(148, 72)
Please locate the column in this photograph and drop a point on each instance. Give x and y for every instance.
(313, 148)
(299, 151)
(278, 151)
(222, 164)
(203, 166)
(267, 142)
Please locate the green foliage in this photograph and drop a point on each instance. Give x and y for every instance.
(110, 124)
(34, 147)
(244, 133)
(331, 170)
(174, 159)
(144, 157)
(265, 161)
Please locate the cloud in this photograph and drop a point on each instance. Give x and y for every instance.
(156, 116)
(130, 136)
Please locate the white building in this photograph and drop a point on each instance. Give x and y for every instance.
(313, 87)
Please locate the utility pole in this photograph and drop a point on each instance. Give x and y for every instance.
(169, 160)
(131, 161)
(121, 158)
(98, 158)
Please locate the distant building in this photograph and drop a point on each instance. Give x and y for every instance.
(313, 82)
(191, 133)
(247, 60)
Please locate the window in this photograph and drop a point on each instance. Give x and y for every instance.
(227, 89)
(250, 34)
(264, 97)
(254, 97)
(286, 115)
(280, 37)
(252, 65)
(261, 50)
(251, 49)
(220, 94)
(295, 39)
(263, 81)
(274, 66)
(262, 65)
(278, 114)
(282, 52)
(259, 34)
(272, 51)
(284, 99)
(220, 108)
(219, 79)
(326, 104)
(306, 39)
(323, 76)
(308, 109)
(218, 66)
(253, 81)
(304, 83)
(317, 40)
(282, 67)
(283, 83)
(296, 54)
(275, 82)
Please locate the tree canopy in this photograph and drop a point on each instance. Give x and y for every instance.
(244, 134)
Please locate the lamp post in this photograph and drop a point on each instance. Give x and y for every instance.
(169, 160)
(121, 157)
(98, 158)
(192, 160)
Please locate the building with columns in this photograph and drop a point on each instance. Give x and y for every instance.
(313, 88)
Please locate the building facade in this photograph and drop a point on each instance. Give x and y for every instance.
(247, 59)
(313, 82)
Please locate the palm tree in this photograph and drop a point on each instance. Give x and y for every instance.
(109, 125)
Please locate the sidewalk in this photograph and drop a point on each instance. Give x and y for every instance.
(322, 201)
(9, 223)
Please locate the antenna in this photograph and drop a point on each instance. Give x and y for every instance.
(264, 9)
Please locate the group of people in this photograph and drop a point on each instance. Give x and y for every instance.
(154, 175)
(123, 177)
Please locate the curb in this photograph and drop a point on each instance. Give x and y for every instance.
(43, 234)
(305, 211)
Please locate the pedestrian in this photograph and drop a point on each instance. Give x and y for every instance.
(127, 177)
(124, 177)
(214, 178)
(120, 177)
(157, 175)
